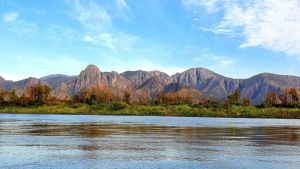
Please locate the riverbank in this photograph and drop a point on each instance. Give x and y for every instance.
(157, 110)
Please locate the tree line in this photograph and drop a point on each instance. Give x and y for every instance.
(288, 98)
(39, 94)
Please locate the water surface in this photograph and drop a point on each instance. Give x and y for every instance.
(70, 141)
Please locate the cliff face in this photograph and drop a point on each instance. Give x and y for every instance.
(92, 76)
(153, 83)
(137, 78)
(87, 78)
(208, 82)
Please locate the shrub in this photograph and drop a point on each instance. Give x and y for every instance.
(119, 106)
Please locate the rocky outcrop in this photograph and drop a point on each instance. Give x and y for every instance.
(117, 81)
(138, 77)
(153, 86)
(87, 78)
(92, 76)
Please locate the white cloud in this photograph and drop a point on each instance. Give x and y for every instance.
(18, 26)
(98, 25)
(197, 59)
(122, 5)
(22, 27)
(10, 17)
(107, 39)
(272, 24)
(211, 5)
(88, 38)
(226, 62)
(91, 15)
(212, 59)
(114, 41)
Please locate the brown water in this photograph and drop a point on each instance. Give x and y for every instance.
(64, 141)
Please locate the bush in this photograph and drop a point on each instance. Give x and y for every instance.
(98, 106)
(119, 106)
(75, 105)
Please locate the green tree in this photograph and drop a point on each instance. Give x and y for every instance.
(234, 99)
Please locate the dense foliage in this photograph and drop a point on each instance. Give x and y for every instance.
(101, 100)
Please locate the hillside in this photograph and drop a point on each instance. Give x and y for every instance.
(155, 83)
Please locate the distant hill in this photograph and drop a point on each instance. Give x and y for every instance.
(197, 80)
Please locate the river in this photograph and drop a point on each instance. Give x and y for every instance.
(109, 142)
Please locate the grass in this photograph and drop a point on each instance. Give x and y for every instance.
(157, 110)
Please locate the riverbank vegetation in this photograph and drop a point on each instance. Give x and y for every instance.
(101, 101)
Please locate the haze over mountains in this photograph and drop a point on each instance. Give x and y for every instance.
(200, 81)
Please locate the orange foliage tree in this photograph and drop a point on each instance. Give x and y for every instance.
(271, 99)
(98, 93)
(37, 94)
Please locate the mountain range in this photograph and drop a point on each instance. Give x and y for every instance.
(198, 80)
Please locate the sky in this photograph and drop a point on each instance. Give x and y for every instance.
(235, 38)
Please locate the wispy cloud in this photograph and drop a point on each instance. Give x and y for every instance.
(98, 24)
(61, 33)
(226, 62)
(272, 24)
(215, 60)
(91, 15)
(210, 5)
(18, 26)
(10, 17)
(122, 5)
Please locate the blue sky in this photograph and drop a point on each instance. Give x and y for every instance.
(234, 38)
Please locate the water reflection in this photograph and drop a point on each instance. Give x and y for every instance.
(138, 145)
(259, 135)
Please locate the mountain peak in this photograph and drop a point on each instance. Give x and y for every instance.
(92, 68)
(200, 73)
(52, 76)
(203, 70)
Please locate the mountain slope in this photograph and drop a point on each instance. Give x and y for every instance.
(208, 82)
(5, 85)
(138, 77)
(154, 83)
(257, 86)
